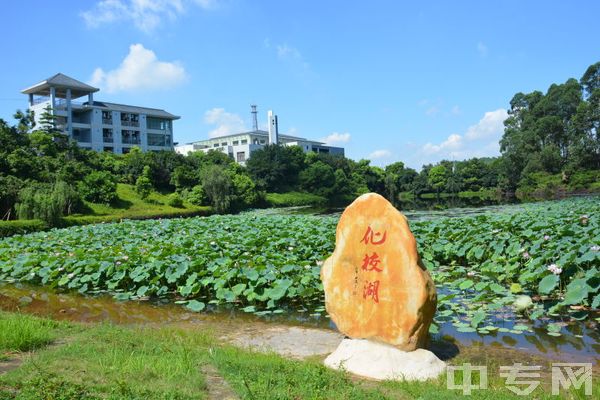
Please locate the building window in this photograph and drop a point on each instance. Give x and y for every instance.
(262, 141)
(130, 137)
(157, 123)
(216, 145)
(255, 141)
(107, 135)
(108, 149)
(158, 140)
(241, 156)
(128, 119)
(236, 142)
(107, 117)
(224, 144)
(244, 141)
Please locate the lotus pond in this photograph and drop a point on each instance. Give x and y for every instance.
(536, 265)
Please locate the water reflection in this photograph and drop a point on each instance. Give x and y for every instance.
(580, 341)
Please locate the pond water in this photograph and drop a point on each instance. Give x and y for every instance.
(411, 214)
(580, 341)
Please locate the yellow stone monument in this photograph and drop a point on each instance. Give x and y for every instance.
(376, 287)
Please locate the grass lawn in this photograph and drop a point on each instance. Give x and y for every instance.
(130, 205)
(110, 362)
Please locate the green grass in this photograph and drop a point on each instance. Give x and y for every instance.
(294, 199)
(128, 206)
(20, 332)
(110, 362)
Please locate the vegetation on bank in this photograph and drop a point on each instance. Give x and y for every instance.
(266, 264)
(550, 145)
(128, 204)
(294, 199)
(110, 362)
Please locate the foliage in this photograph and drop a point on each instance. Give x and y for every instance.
(553, 131)
(143, 184)
(276, 167)
(245, 192)
(265, 263)
(294, 199)
(174, 200)
(46, 202)
(20, 227)
(99, 187)
(217, 185)
(549, 249)
(196, 195)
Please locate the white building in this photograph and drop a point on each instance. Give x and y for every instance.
(99, 125)
(240, 146)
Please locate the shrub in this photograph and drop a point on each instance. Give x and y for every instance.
(246, 193)
(293, 199)
(174, 200)
(20, 227)
(143, 184)
(196, 196)
(581, 180)
(99, 187)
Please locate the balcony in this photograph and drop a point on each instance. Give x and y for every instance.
(107, 121)
(130, 123)
(107, 139)
(130, 140)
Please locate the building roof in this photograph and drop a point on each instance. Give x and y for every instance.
(259, 133)
(61, 83)
(153, 112)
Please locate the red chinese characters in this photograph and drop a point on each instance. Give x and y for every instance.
(371, 236)
(371, 290)
(371, 263)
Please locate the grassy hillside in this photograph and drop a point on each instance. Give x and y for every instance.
(128, 206)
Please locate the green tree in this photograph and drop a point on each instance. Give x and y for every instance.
(438, 177)
(275, 167)
(99, 187)
(143, 184)
(318, 178)
(245, 192)
(218, 185)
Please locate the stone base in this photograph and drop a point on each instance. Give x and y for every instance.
(381, 361)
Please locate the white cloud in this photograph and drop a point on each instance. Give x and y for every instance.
(482, 49)
(491, 124)
(377, 154)
(140, 70)
(287, 52)
(454, 142)
(292, 57)
(336, 138)
(146, 15)
(431, 111)
(455, 110)
(226, 123)
(479, 140)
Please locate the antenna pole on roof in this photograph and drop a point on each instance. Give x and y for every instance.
(254, 117)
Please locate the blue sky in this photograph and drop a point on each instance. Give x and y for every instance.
(389, 81)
